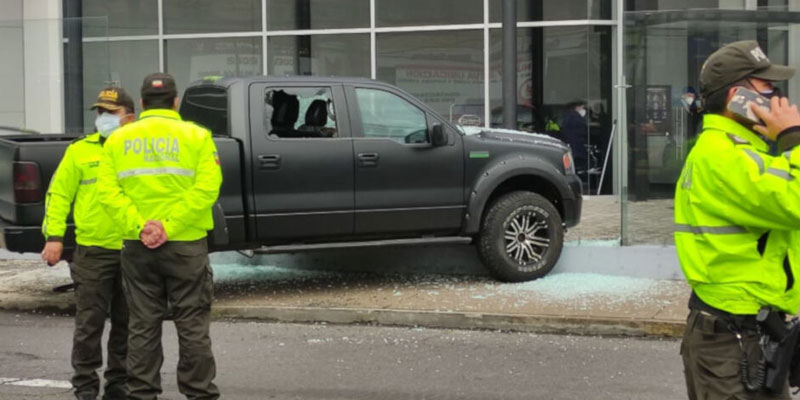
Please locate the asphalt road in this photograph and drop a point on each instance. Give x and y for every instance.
(261, 360)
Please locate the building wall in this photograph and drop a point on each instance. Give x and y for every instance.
(12, 102)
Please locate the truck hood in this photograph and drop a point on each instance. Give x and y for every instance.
(509, 135)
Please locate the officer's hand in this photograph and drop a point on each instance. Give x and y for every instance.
(780, 116)
(52, 252)
(153, 235)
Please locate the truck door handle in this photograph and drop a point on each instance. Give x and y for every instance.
(368, 159)
(269, 161)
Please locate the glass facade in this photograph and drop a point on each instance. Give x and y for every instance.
(557, 68)
(189, 60)
(206, 16)
(448, 53)
(665, 45)
(554, 10)
(443, 69)
(322, 55)
(317, 14)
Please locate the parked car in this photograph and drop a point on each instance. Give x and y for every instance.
(314, 163)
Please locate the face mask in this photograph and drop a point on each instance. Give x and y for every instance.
(688, 99)
(106, 124)
(582, 112)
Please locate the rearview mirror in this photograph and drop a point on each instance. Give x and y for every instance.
(439, 136)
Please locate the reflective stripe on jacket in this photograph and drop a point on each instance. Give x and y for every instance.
(75, 180)
(161, 168)
(737, 216)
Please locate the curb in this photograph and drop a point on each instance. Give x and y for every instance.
(558, 324)
(457, 320)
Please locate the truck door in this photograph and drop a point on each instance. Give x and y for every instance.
(302, 157)
(403, 183)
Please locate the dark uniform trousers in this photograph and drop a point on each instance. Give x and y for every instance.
(178, 274)
(98, 295)
(711, 355)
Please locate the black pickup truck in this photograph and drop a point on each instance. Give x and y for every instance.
(317, 163)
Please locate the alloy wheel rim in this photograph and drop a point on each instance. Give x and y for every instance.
(526, 238)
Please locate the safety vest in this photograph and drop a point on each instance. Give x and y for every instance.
(161, 168)
(75, 180)
(737, 216)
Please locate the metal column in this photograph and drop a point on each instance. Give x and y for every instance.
(73, 67)
(510, 64)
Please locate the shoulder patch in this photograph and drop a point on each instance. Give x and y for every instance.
(736, 139)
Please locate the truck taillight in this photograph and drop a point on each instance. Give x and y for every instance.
(27, 182)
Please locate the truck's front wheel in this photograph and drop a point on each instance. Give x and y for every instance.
(521, 237)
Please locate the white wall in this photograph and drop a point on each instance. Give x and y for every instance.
(12, 101)
(43, 77)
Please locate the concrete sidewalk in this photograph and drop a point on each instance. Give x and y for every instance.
(566, 302)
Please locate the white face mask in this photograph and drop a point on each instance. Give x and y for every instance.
(106, 124)
(581, 112)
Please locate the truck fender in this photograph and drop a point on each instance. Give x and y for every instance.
(501, 170)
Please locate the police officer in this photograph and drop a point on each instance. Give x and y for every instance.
(737, 215)
(96, 263)
(159, 180)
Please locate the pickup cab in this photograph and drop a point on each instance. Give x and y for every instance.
(316, 163)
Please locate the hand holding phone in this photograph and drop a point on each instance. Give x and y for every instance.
(742, 102)
(780, 116)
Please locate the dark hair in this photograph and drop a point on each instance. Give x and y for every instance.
(158, 102)
(717, 101)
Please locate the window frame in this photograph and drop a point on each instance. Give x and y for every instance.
(358, 123)
(258, 110)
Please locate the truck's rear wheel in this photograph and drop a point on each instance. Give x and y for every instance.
(521, 237)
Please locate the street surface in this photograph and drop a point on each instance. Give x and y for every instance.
(262, 360)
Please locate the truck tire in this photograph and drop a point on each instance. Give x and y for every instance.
(521, 237)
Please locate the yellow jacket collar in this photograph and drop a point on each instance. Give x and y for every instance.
(160, 112)
(727, 125)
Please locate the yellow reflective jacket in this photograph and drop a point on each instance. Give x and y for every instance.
(160, 168)
(737, 216)
(75, 180)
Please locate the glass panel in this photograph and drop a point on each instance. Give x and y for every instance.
(118, 63)
(553, 10)
(324, 55)
(561, 70)
(317, 14)
(385, 115)
(443, 69)
(124, 18)
(662, 5)
(664, 51)
(189, 60)
(300, 113)
(206, 16)
(428, 12)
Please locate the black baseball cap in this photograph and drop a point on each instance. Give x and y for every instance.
(736, 61)
(113, 98)
(159, 85)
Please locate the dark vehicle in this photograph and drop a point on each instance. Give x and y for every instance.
(317, 163)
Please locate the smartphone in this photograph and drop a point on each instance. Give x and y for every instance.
(740, 104)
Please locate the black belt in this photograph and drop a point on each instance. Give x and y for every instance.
(724, 320)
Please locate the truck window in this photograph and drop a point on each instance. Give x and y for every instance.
(386, 115)
(207, 106)
(306, 112)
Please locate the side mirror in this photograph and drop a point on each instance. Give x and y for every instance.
(439, 136)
